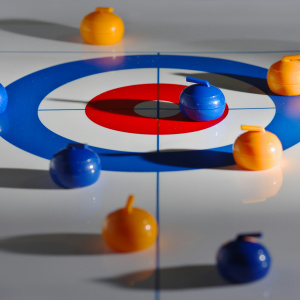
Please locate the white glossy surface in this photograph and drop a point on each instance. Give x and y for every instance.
(50, 242)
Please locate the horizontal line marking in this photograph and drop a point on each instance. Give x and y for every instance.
(149, 52)
(108, 109)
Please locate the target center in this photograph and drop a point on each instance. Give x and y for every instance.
(136, 109)
(157, 109)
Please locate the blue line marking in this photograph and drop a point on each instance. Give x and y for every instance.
(157, 268)
(149, 52)
(108, 109)
(157, 108)
(60, 109)
(110, 53)
(229, 52)
(245, 108)
(145, 108)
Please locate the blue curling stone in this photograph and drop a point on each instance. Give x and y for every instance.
(75, 166)
(3, 99)
(242, 260)
(201, 101)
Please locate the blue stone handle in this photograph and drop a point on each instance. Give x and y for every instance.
(199, 81)
(241, 237)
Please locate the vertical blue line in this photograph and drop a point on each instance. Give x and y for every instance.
(157, 269)
(157, 108)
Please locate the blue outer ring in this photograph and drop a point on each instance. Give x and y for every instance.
(21, 126)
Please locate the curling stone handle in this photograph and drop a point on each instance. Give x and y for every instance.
(252, 128)
(197, 80)
(244, 236)
(291, 57)
(129, 205)
(104, 9)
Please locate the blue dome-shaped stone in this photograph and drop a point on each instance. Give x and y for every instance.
(243, 260)
(201, 101)
(75, 166)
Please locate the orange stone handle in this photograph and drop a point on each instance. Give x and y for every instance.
(291, 57)
(104, 9)
(252, 128)
(128, 208)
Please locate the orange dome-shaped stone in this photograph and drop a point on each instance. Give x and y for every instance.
(102, 27)
(257, 149)
(129, 229)
(284, 76)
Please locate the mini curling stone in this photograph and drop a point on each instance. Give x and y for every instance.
(243, 260)
(3, 99)
(75, 166)
(102, 27)
(284, 76)
(129, 229)
(201, 101)
(257, 149)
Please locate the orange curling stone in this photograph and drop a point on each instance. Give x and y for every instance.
(257, 149)
(284, 76)
(129, 229)
(102, 27)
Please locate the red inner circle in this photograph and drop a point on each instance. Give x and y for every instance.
(114, 109)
